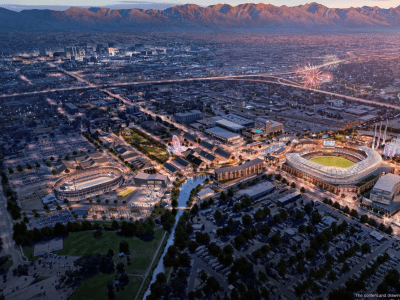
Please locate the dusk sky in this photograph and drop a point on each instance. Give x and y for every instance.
(132, 4)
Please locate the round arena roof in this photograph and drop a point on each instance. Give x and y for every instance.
(337, 175)
(87, 179)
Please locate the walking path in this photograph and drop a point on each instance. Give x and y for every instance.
(151, 264)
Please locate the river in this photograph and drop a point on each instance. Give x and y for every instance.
(184, 195)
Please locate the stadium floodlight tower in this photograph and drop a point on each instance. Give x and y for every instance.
(384, 134)
(379, 136)
(373, 139)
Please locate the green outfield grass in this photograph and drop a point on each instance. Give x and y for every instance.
(333, 161)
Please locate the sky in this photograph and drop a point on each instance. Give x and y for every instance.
(159, 4)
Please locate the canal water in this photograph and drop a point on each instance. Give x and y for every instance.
(184, 195)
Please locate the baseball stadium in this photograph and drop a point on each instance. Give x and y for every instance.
(87, 183)
(330, 167)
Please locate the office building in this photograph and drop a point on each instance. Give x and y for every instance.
(253, 167)
(269, 126)
(188, 117)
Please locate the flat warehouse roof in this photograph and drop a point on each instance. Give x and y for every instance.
(220, 132)
(258, 189)
(230, 124)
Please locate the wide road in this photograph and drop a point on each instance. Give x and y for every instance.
(247, 78)
(6, 225)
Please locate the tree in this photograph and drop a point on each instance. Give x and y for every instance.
(346, 210)
(354, 213)
(140, 230)
(275, 240)
(265, 230)
(382, 288)
(277, 218)
(106, 264)
(115, 225)
(264, 293)
(202, 238)
(302, 190)
(392, 278)
(299, 214)
(259, 215)
(300, 268)
(246, 219)
(240, 240)
(331, 276)
(123, 246)
(121, 267)
(372, 222)
(283, 213)
(389, 230)
(365, 248)
(364, 219)
(54, 172)
(217, 215)
(310, 254)
(161, 278)
(345, 268)
(262, 276)
(293, 185)
(316, 217)
(308, 208)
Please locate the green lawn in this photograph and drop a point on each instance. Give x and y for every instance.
(133, 138)
(95, 288)
(141, 252)
(333, 161)
(153, 266)
(28, 251)
(8, 264)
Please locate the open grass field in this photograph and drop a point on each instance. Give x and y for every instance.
(133, 137)
(95, 288)
(28, 251)
(151, 271)
(141, 252)
(333, 161)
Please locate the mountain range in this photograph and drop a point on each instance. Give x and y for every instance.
(191, 16)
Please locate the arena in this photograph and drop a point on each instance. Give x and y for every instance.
(345, 165)
(88, 183)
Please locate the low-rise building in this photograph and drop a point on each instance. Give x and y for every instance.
(249, 168)
(150, 179)
(385, 195)
(289, 198)
(223, 135)
(258, 191)
(269, 126)
(188, 117)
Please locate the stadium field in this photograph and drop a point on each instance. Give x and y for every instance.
(333, 161)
